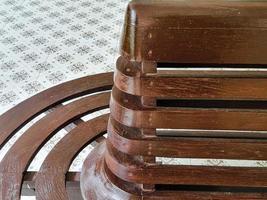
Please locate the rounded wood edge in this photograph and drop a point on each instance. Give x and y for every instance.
(16, 161)
(95, 184)
(28, 109)
(57, 165)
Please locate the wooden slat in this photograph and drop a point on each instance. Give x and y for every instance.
(129, 170)
(72, 181)
(116, 188)
(16, 161)
(193, 195)
(30, 177)
(186, 147)
(205, 88)
(163, 86)
(189, 118)
(51, 176)
(249, 72)
(31, 107)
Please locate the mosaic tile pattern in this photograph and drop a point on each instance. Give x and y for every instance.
(44, 43)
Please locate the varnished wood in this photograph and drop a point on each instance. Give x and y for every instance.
(56, 164)
(193, 85)
(185, 147)
(215, 97)
(197, 68)
(134, 115)
(31, 107)
(196, 31)
(131, 170)
(15, 162)
(97, 184)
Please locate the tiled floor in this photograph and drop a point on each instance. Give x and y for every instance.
(44, 43)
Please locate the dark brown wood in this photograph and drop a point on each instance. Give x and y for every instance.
(15, 162)
(72, 181)
(196, 31)
(186, 147)
(193, 85)
(132, 170)
(31, 107)
(189, 195)
(214, 97)
(97, 183)
(134, 115)
(51, 176)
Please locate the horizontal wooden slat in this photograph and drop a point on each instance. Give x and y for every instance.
(193, 195)
(250, 72)
(124, 167)
(163, 86)
(96, 173)
(186, 147)
(205, 88)
(187, 118)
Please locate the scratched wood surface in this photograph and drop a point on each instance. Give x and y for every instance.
(57, 163)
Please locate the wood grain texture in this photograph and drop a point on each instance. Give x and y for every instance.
(17, 161)
(95, 183)
(235, 85)
(31, 107)
(185, 147)
(215, 92)
(196, 31)
(50, 180)
(131, 170)
(134, 115)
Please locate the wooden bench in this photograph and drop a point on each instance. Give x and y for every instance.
(211, 104)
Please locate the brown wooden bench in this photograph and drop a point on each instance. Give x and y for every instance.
(211, 104)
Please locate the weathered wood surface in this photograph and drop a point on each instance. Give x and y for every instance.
(106, 186)
(57, 163)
